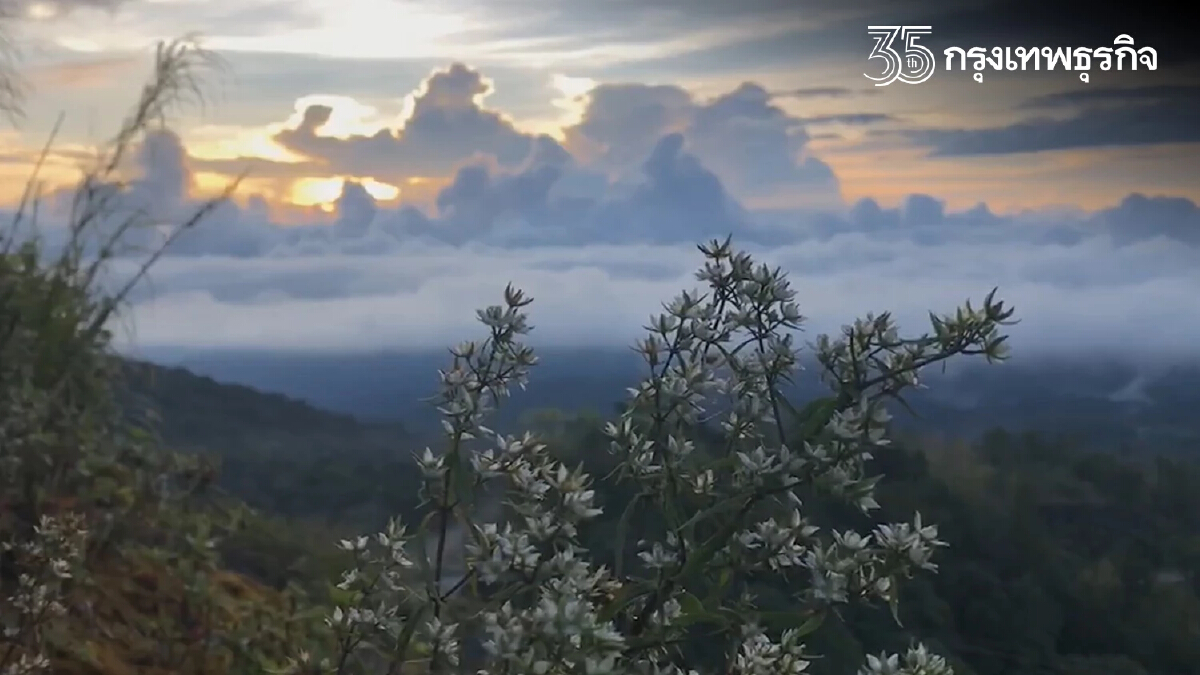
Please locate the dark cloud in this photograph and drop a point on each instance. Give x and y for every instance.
(1102, 117)
(824, 92)
(1159, 122)
(827, 31)
(355, 210)
(924, 221)
(1139, 218)
(635, 20)
(476, 200)
(680, 199)
(1116, 95)
(550, 200)
(677, 198)
(166, 177)
(849, 119)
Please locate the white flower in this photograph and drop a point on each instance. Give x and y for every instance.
(718, 359)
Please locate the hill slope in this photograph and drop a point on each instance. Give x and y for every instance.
(276, 453)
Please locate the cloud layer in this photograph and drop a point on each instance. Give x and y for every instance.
(600, 227)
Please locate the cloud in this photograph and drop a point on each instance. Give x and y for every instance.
(82, 73)
(448, 125)
(824, 92)
(554, 200)
(849, 119)
(680, 199)
(622, 119)
(127, 22)
(1092, 293)
(375, 277)
(601, 228)
(49, 9)
(1118, 95)
(754, 146)
(1140, 218)
(166, 179)
(551, 198)
(1135, 124)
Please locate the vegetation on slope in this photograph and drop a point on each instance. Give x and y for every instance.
(278, 454)
(110, 559)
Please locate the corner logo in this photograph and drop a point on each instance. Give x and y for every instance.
(908, 62)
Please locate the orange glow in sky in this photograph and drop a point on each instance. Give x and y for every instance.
(323, 192)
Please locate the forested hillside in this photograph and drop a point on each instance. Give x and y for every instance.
(277, 453)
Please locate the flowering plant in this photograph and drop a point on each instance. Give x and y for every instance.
(529, 593)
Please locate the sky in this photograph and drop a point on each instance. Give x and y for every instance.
(407, 158)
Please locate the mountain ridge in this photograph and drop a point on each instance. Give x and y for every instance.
(1109, 401)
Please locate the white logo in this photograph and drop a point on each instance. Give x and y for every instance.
(915, 65)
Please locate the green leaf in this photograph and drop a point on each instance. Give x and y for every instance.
(622, 534)
(813, 418)
(894, 606)
(691, 610)
(404, 642)
(338, 596)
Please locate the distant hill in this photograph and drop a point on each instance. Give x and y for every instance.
(276, 452)
(1104, 400)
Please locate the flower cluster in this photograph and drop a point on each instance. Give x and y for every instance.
(45, 564)
(523, 589)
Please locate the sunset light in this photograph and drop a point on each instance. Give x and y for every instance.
(324, 192)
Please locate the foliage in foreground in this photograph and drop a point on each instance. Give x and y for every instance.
(109, 544)
(1065, 559)
(524, 591)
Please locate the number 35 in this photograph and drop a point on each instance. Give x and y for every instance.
(914, 66)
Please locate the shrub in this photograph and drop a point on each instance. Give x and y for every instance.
(107, 541)
(731, 512)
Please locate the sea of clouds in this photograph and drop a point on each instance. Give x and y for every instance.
(601, 227)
